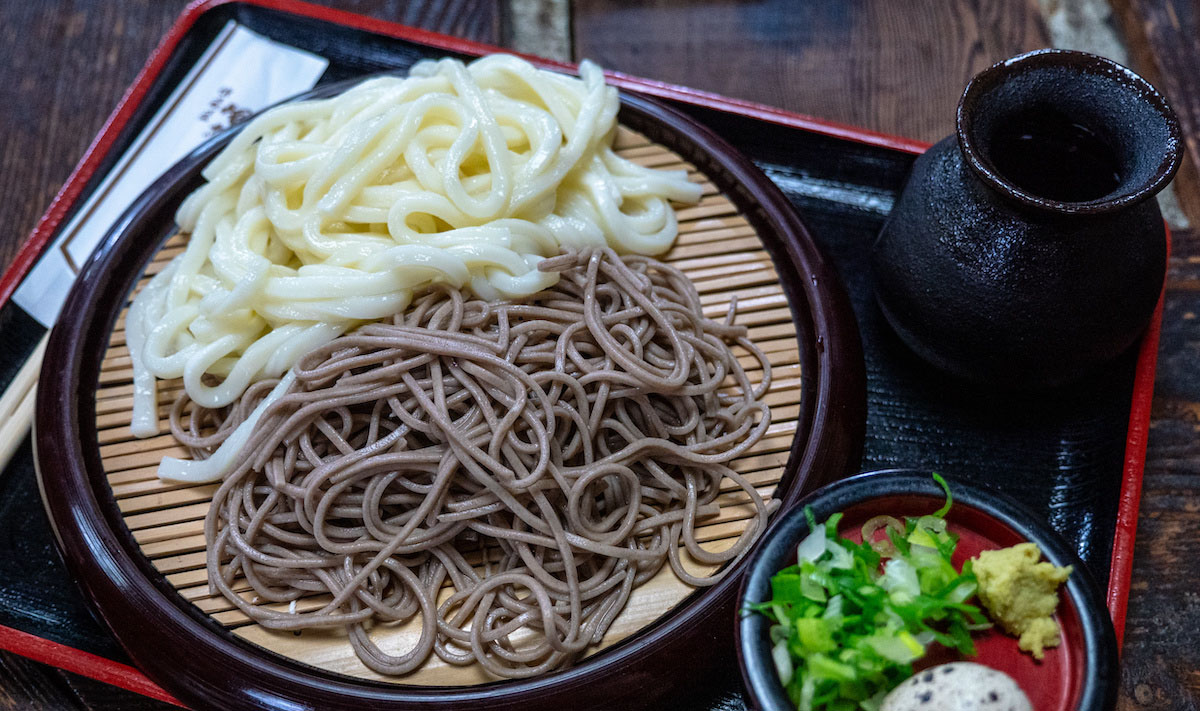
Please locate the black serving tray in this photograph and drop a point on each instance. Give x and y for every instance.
(1071, 454)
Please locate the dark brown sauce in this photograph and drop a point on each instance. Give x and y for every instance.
(1048, 155)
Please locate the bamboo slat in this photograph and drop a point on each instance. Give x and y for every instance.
(718, 249)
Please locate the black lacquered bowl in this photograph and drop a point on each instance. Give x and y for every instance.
(1081, 674)
(202, 663)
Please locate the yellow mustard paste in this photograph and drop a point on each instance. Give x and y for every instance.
(1021, 594)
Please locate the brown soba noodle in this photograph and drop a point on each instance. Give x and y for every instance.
(541, 458)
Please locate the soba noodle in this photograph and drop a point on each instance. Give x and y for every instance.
(542, 458)
(321, 215)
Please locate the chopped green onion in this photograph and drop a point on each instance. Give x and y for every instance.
(811, 547)
(849, 623)
(941, 513)
(783, 661)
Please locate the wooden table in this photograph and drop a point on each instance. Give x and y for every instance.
(893, 67)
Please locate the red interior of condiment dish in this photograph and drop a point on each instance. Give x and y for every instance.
(1054, 684)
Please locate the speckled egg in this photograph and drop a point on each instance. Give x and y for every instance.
(960, 686)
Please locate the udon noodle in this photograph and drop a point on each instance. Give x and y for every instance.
(533, 461)
(321, 215)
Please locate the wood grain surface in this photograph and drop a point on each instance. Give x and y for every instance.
(1163, 37)
(890, 66)
(871, 63)
(1161, 657)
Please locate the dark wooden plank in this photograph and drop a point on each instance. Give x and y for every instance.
(1163, 37)
(541, 27)
(94, 694)
(59, 87)
(29, 686)
(473, 19)
(66, 65)
(26, 685)
(1161, 657)
(896, 67)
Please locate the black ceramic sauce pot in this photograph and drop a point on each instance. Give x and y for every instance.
(1027, 247)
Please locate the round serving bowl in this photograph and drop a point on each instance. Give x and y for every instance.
(219, 669)
(1078, 675)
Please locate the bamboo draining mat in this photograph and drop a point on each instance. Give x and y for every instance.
(717, 248)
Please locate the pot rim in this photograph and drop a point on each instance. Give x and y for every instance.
(1085, 63)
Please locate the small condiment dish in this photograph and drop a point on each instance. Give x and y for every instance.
(1081, 674)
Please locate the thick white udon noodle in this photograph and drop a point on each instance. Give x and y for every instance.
(321, 215)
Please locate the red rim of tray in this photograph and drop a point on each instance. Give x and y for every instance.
(126, 677)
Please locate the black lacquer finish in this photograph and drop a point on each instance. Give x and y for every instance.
(1099, 651)
(1026, 249)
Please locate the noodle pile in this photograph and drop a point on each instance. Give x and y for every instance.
(542, 458)
(321, 215)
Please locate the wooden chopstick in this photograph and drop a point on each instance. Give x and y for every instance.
(17, 403)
